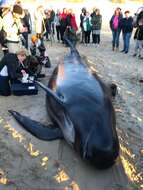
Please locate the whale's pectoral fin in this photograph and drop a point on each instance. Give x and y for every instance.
(113, 88)
(37, 129)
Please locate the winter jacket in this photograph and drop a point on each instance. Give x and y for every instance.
(119, 22)
(57, 20)
(96, 21)
(13, 66)
(127, 25)
(11, 28)
(63, 20)
(139, 33)
(87, 24)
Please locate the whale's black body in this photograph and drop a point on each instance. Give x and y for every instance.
(80, 107)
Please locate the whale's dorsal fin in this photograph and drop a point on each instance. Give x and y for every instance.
(50, 93)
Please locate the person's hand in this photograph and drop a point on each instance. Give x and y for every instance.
(23, 72)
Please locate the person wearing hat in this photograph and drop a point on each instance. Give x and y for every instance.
(127, 28)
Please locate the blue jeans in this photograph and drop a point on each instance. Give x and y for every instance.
(115, 36)
(126, 41)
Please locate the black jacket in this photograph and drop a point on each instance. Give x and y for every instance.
(139, 34)
(96, 21)
(13, 66)
(127, 25)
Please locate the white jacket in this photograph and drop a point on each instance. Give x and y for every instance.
(1, 23)
(85, 23)
(10, 28)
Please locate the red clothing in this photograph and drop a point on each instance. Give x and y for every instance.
(63, 16)
(73, 23)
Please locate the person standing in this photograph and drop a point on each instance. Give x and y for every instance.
(39, 16)
(127, 28)
(26, 27)
(82, 16)
(57, 24)
(12, 25)
(63, 23)
(71, 27)
(87, 27)
(47, 24)
(115, 28)
(96, 21)
(139, 38)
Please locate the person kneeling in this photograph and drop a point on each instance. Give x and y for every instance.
(12, 70)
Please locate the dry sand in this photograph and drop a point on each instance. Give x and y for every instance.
(27, 163)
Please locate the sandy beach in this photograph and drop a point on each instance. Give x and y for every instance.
(27, 163)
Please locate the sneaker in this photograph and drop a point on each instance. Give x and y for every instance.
(122, 50)
(126, 52)
(134, 55)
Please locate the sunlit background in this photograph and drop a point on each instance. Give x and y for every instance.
(106, 10)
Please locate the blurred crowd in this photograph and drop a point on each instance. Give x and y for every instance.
(16, 25)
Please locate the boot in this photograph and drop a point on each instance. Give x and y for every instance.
(113, 48)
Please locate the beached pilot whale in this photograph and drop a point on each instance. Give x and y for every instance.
(80, 107)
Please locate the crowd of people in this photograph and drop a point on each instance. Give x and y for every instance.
(126, 24)
(16, 26)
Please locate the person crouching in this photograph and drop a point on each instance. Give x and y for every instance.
(12, 69)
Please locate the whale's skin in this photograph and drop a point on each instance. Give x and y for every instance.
(80, 106)
(87, 117)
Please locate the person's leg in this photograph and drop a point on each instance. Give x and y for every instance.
(136, 48)
(53, 28)
(4, 86)
(128, 36)
(25, 36)
(117, 39)
(93, 38)
(89, 32)
(113, 39)
(86, 37)
(82, 36)
(140, 47)
(58, 32)
(124, 42)
(98, 38)
(62, 30)
(47, 35)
